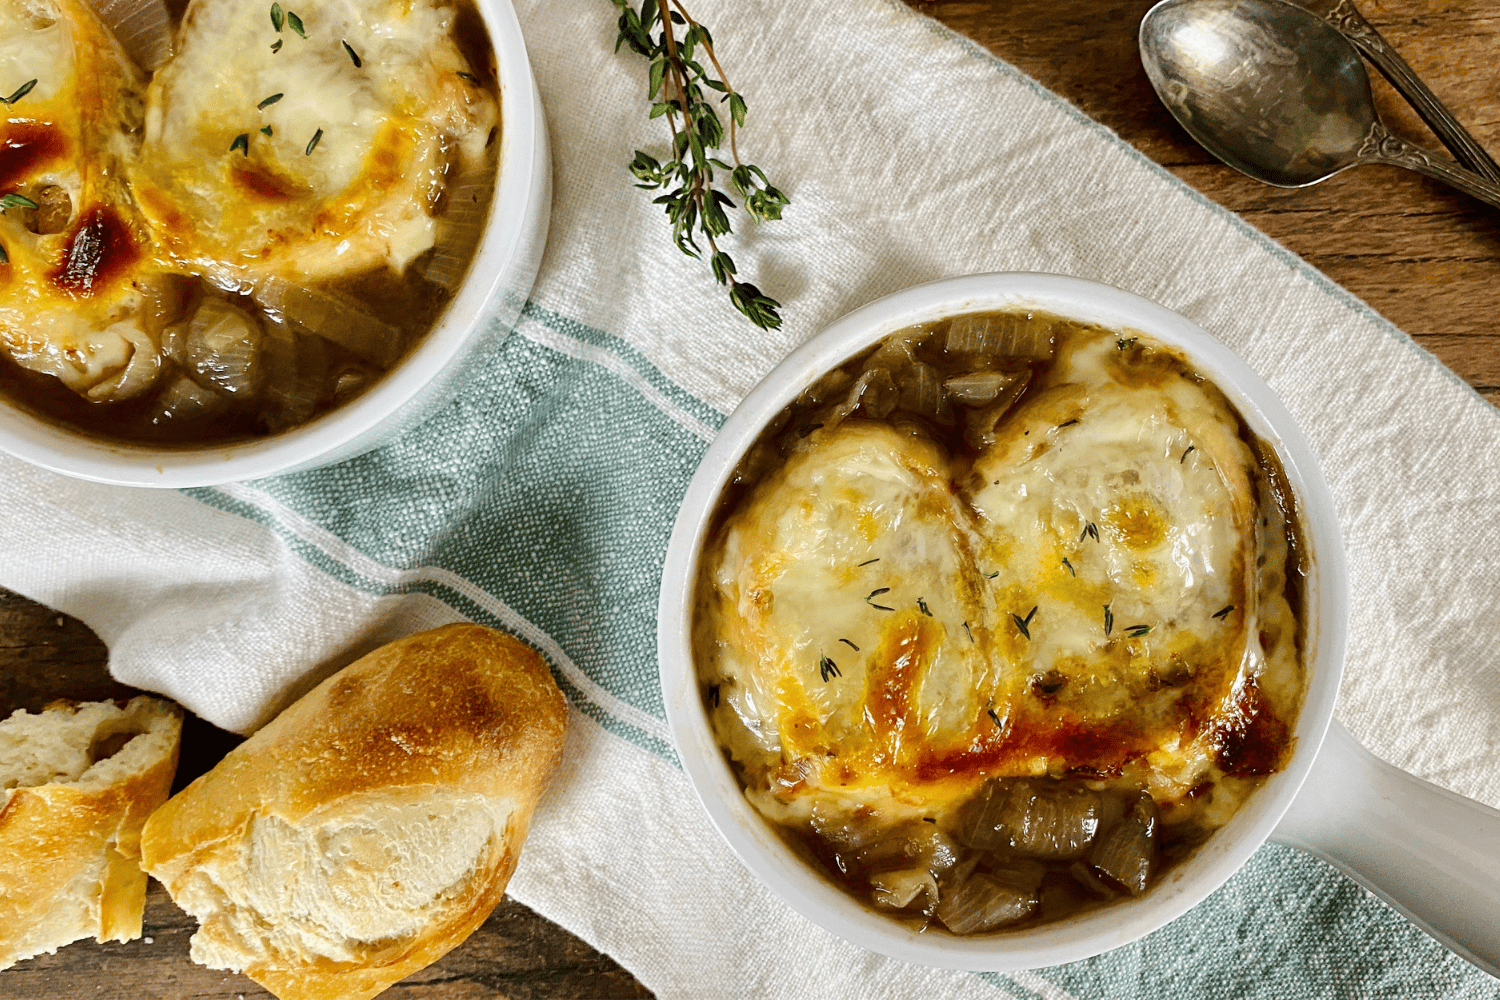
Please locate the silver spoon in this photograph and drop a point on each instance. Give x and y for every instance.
(1343, 15)
(1277, 93)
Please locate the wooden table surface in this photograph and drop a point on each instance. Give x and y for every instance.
(1424, 257)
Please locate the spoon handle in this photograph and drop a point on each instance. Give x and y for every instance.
(1353, 26)
(1381, 146)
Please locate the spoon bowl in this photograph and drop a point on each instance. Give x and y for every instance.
(1277, 93)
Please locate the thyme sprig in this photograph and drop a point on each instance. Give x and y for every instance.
(1024, 624)
(20, 92)
(693, 199)
(827, 668)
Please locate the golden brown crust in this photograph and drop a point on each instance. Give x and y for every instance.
(460, 708)
(68, 860)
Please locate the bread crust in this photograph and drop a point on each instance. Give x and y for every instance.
(69, 856)
(460, 708)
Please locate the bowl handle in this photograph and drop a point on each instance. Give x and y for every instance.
(1431, 854)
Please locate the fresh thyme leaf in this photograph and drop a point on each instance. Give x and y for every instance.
(827, 668)
(1067, 423)
(850, 644)
(352, 54)
(928, 819)
(991, 576)
(713, 695)
(679, 89)
(1070, 567)
(967, 632)
(278, 19)
(1190, 449)
(266, 130)
(16, 201)
(993, 717)
(4, 257)
(241, 143)
(868, 561)
(1024, 624)
(468, 76)
(1224, 611)
(1109, 620)
(295, 23)
(1030, 614)
(317, 137)
(877, 593)
(276, 47)
(1136, 631)
(1090, 530)
(21, 92)
(263, 105)
(925, 609)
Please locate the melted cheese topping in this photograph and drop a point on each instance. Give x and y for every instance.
(1086, 597)
(75, 295)
(388, 133)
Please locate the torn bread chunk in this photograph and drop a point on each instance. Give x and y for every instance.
(78, 783)
(373, 825)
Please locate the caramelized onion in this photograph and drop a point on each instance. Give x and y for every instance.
(332, 318)
(184, 399)
(1013, 335)
(978, 388)
(142, 26)
(986, 901)
(139, 373)
(1127, 851)
(899, 889)
(460, 226)
(1042, 819)
(922, 394)
(296, 368)
(222, 347)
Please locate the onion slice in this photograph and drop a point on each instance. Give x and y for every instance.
(139, 373)
(333, 318)
(1007, 336)
(460, 226)
(142, 26)
(1127, 851)
(978, 388)
(1041, 819)
(901, 889)
(222, 348)
(985, 902)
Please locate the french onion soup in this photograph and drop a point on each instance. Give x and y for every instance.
(248, 236)
(1001, 618)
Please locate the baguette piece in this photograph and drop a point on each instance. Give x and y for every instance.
(373, 825)
(79, 782)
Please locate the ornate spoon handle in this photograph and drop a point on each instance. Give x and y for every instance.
(1352, 25)
(1381, 146)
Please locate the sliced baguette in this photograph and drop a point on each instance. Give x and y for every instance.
(373, 825)
(79, 782)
